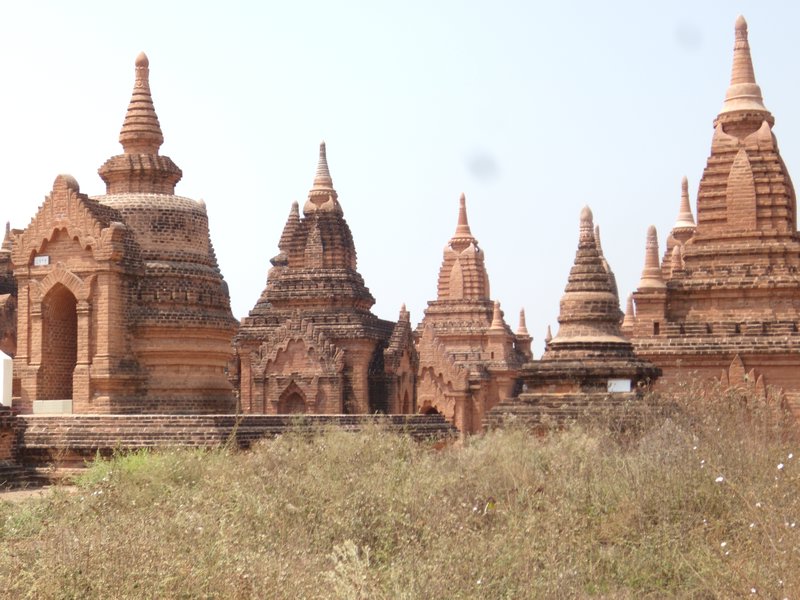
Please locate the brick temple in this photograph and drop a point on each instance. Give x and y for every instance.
(115, 305)
(311, 343)
(469, 358)
(589, 365)
(724, 301)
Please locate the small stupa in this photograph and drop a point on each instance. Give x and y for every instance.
(589, 364)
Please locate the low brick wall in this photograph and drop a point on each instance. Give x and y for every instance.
(69, 441)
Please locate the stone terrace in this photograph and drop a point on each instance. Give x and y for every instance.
(51, 446)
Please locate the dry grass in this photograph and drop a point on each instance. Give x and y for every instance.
(701, 504)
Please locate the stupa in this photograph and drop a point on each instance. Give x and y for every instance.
(121, 304)
(589, 364)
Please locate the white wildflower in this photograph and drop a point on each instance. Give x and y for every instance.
(720, 479)
(723, 544)
(780, 466)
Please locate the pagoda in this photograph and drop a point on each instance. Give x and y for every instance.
(589, 364)
(724, 301)
(310, 344)
(468, 356)
(121, 307)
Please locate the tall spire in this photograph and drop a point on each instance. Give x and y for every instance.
(322, 179)
(743, 94)
(651, 274)
(685, 217)
(140, 169)
(141, 132)
(463, 237)
(462, 228)
(322, 197)
(522, 330)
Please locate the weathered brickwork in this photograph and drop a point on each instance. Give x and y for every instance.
(469, 358)
(311, 344)
(121, 305)
(589, 365)
(116, 303)
(726, 291)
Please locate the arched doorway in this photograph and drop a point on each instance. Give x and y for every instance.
(59, 344)
(292, 403)
(428, 410)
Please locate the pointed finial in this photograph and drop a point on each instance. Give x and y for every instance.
(597, 240)
(404, 314)
(141, 131)
(548, 336)
(522, 331)
(630, 316)
(743, 94)
(651, 274)
(462, 229)
(289, 228)
(685, 216)
(7, 239)
(587, 226)
(322, 197)
(322, 179)
(497, 318)
(677, 259)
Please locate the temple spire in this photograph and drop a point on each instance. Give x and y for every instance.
(6, 247)
(522, 330)
(651, 274)
(322, 179)
(743, 94)
(322, 197)
(497, 318)
(630, 317)
(685, 216)
(548, 336)
(462, 228)
(141, 131)
(463, 237)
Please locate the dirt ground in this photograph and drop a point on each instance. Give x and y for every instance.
(25, 494)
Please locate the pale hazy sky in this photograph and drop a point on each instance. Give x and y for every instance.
(531, 109)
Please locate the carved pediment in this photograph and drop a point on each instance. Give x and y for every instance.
(298, 344)
(95, 227)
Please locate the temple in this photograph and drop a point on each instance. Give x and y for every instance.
(469, 358)
(119, 304)
(723, 301)
(115, 304)
(310, 344)
(589, 364)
